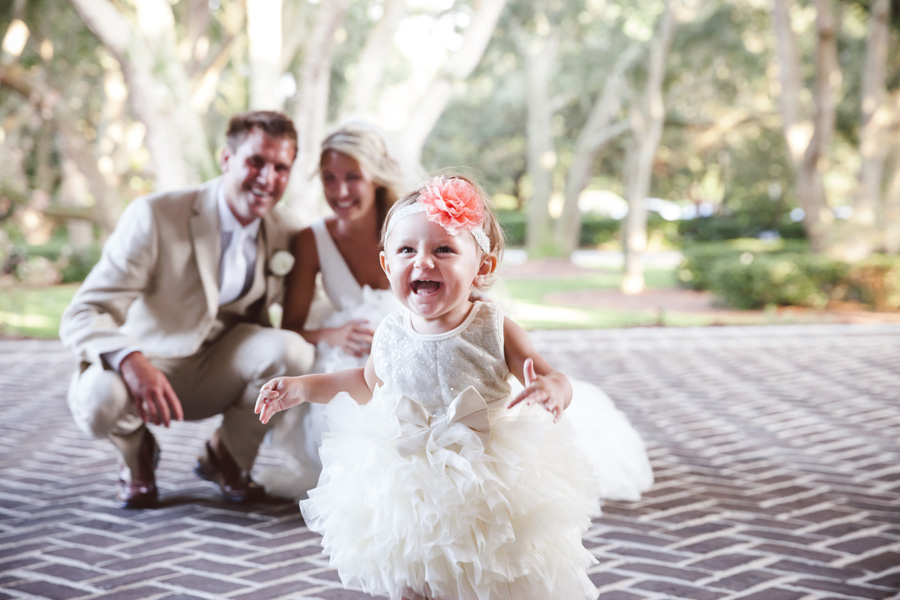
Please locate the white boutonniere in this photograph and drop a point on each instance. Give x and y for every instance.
(281, 263)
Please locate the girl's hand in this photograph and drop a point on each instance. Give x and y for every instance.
(539, 390)
(354, 337)
(279, 394)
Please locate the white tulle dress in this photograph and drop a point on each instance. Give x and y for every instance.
(297, 434)
(435, 488)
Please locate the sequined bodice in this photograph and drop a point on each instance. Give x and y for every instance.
(434, 369)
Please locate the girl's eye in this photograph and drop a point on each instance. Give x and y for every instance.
(405, 250)
(445, 249)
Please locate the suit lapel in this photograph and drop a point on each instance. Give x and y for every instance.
(206, 236)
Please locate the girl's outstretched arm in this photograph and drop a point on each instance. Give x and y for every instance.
(543, 385)
(282, 393)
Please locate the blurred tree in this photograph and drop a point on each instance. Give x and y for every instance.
(814, 141)
(104, 100)
(647, 118)
(145, 44)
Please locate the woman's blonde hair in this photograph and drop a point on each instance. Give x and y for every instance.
(365, 143)
(490, 224)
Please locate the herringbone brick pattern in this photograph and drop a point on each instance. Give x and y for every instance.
(776, 452)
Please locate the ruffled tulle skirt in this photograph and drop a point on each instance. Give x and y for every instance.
(505, 523)
(615, 450)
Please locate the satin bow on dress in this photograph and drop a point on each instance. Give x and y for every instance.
(465, 423)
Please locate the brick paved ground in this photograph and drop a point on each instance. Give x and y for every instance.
(775, 448)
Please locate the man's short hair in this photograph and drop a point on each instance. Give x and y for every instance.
(273, 123)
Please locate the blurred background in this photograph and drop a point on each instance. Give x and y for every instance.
(665, 162)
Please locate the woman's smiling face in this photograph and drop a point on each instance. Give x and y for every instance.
(349, 189)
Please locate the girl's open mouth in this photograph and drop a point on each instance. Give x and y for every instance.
(424, 287)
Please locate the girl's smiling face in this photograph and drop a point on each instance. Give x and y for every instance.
(433, 272)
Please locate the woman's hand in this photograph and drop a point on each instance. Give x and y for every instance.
(354, 337)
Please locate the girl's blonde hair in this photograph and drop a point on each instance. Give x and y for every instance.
(490, 224)
(364, 143)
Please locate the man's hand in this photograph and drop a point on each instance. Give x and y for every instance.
(152, 394)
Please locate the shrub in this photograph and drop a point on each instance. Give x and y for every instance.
(776, 279)
(738, 225)
(752, 274)
(50, 263)
(513, 224)
(76, 265)
(699, 259)
(876, 281)
(595, 230)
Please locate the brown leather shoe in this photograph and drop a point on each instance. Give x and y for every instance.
(141, 491)
(218, 466)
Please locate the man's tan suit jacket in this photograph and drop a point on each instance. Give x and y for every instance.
(156, 285)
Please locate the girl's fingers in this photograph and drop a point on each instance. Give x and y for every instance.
(528, 371)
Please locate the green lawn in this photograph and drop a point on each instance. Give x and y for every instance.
(529, 306)
(33, 312)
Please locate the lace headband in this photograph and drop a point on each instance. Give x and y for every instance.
(453, 204)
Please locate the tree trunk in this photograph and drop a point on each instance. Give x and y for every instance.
(891, 209)
(264, 46)
(810, 186)
(540, 62)
(359, 101)
(876, 115)
(596, 133)
(795, 133)
(808, 142)
(436, 97)
(206, 67)
(159, 91)
(647, 125)
(311, 111)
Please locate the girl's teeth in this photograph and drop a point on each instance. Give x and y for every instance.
(426, 287)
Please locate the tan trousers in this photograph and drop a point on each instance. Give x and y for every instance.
(223, 378)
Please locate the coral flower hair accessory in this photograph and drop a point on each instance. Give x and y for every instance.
(453, 204)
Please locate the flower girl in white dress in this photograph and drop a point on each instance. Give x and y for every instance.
(437, 482)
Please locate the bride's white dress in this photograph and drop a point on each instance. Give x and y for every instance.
(298, 432)
(617, 453)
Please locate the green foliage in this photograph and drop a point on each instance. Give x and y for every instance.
(753, 274)
(513, 224)
(699, 259)
(875, 281)
(50, 263)
(734, 226)
(596, 231)
(776, 279)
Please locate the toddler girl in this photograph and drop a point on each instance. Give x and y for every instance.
(437, 483)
